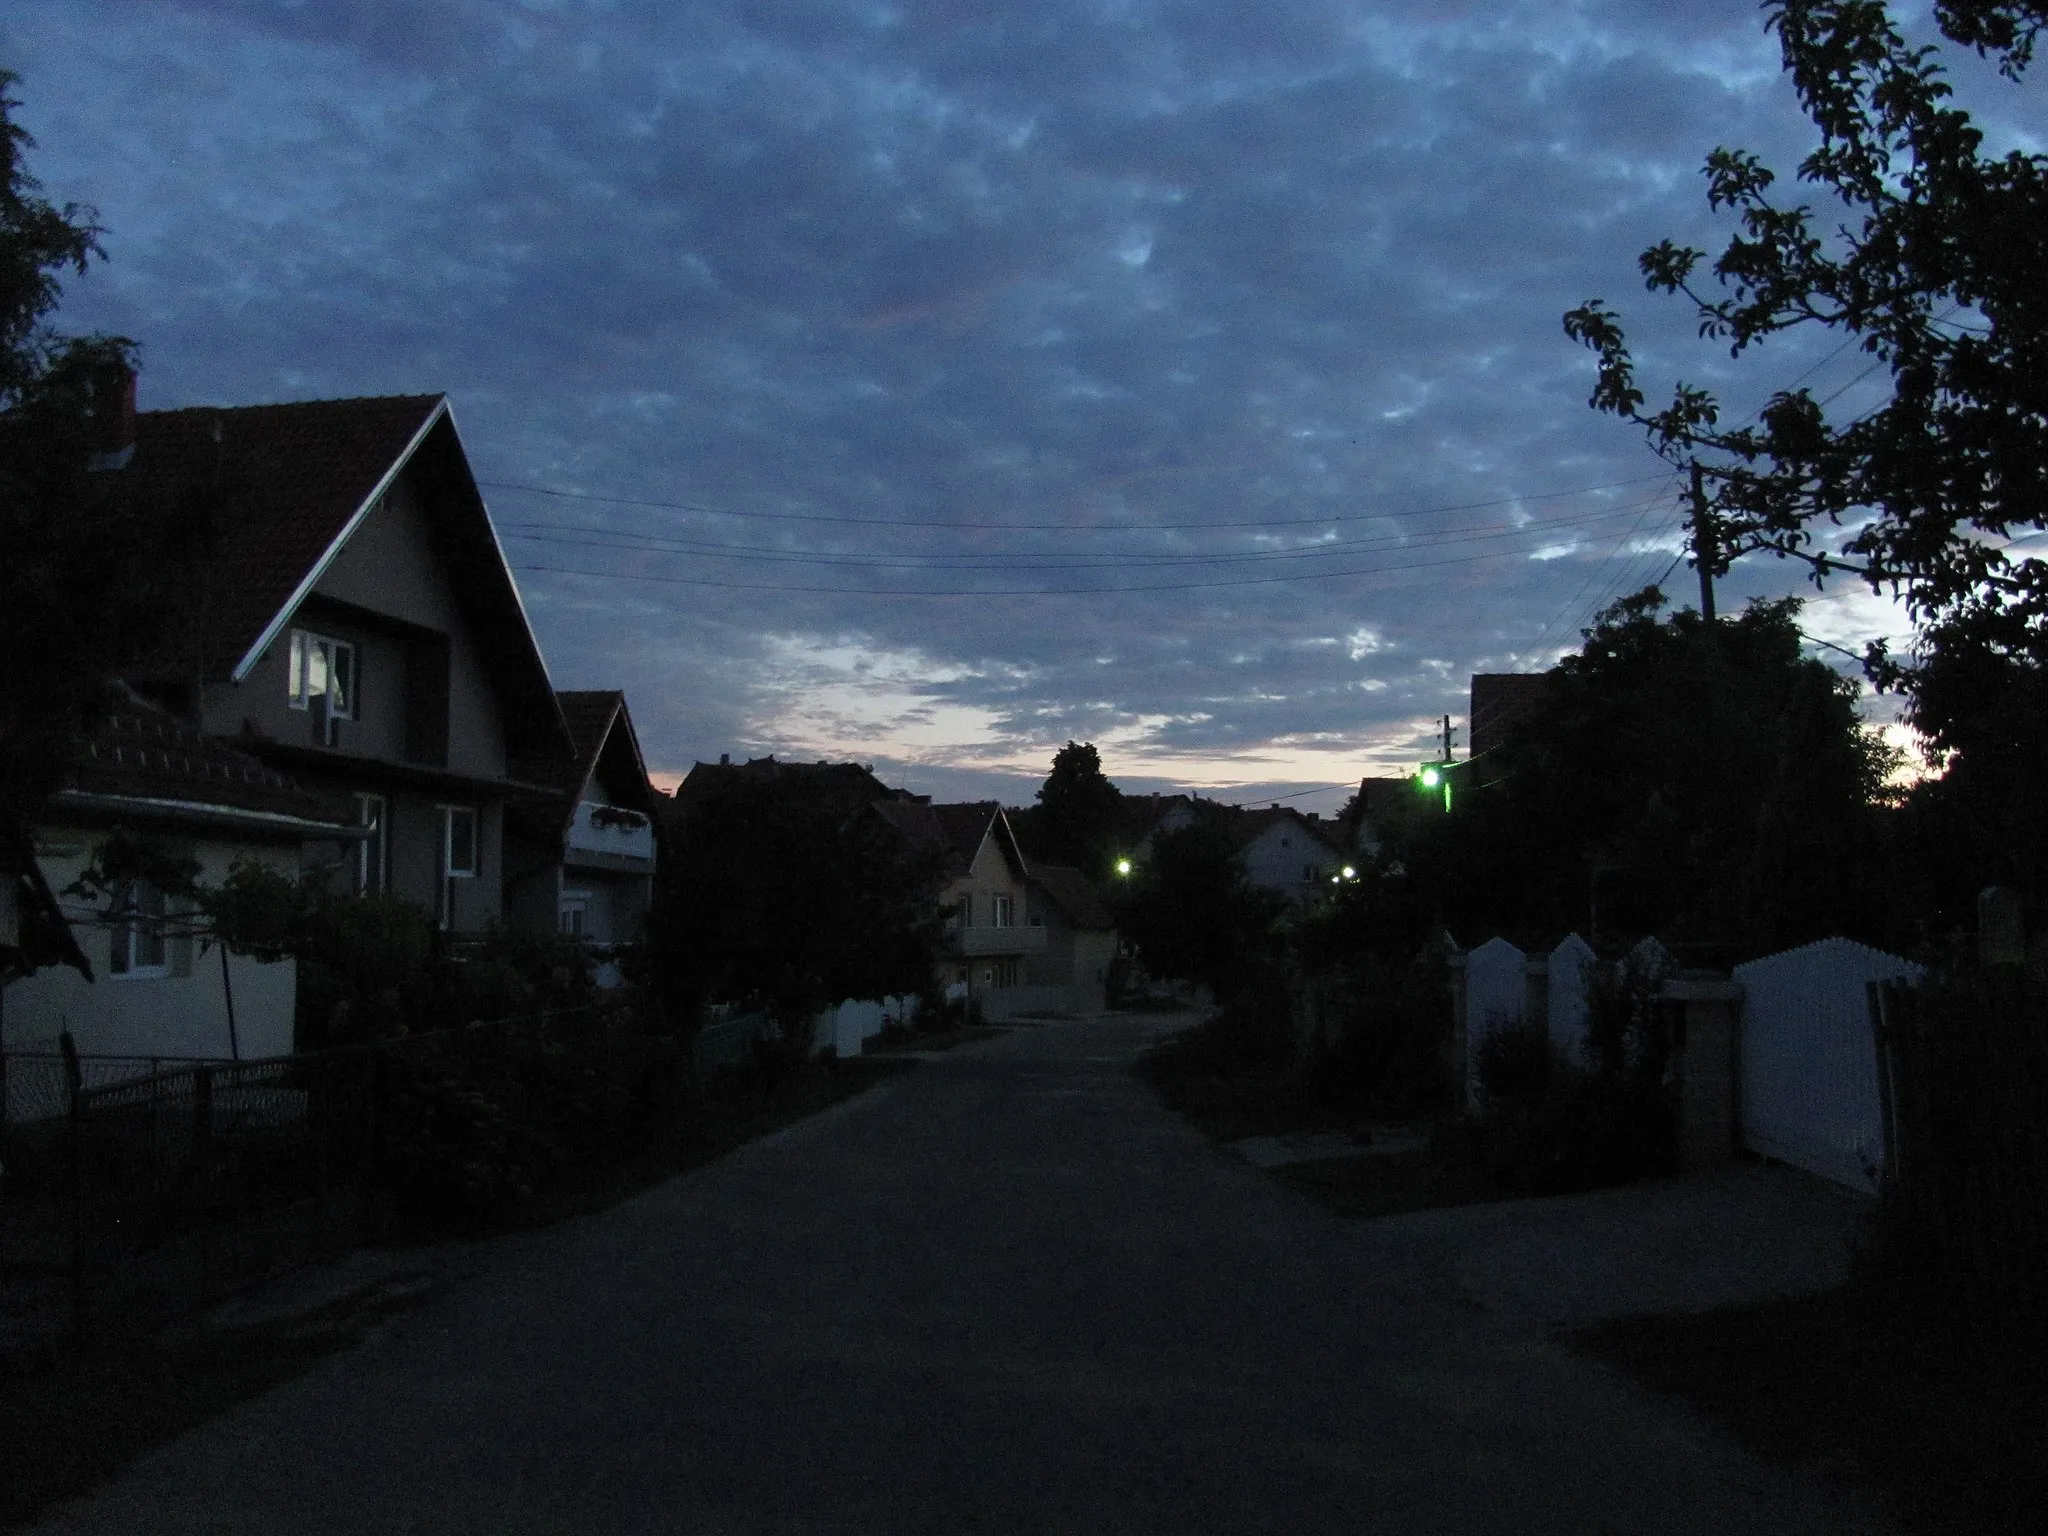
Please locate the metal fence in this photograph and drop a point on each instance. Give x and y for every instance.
(155, 1192)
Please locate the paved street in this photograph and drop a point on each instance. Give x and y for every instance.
(1005, 1293)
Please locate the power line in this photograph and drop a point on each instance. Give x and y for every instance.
(652, 544)
(1115, 591)
(909, 522)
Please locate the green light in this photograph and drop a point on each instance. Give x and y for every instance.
(1431, 777)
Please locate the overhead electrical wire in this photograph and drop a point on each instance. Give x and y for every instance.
(913, 522)
(655, 544)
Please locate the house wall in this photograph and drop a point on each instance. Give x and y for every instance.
(175, 1015)
(1276, 858)
(989, 876)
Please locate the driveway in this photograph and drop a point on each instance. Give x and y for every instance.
(1006, 1293)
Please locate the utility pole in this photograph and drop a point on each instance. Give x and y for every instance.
(1705, 547)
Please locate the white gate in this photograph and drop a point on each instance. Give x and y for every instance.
(1807, 1059)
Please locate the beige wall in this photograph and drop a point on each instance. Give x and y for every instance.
(388, 566)
(174, 1015)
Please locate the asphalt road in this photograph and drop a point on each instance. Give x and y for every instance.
(1005, 1293)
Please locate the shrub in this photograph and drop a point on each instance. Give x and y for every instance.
(1386, 1057)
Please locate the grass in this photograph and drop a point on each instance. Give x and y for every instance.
(1943, 1420)
(68, 1425)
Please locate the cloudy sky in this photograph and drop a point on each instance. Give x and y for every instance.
(929, 382)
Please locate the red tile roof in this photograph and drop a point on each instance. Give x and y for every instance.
(285, 479)
(137, 751)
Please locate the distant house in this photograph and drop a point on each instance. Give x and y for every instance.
(583, 862)
(1080, 937)
(133, 975)
(985, 883)
(359, 630)
(1287, 852)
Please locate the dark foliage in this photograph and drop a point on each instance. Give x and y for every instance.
(780, 897)
(1191, 913)
(1077, 815)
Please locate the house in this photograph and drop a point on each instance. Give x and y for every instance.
(984, 881)
(1286, 852)
(130, 974)
(1080, 937)
(359, 630)
(583, 862)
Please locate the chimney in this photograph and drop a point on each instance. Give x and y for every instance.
(113, 417)
(725, 759)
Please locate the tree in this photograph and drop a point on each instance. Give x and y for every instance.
(783, 893)
(1078, 812)
(1702, 782)
(1191, 913)
(88, 575)
(1935, 273)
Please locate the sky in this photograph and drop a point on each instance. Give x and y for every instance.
(927, 383)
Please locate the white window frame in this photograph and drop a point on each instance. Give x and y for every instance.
(574, 905)
(967, 909)
(309, 647)
(450, 815)
(1002, 911)
(373, 854)
(140, 916)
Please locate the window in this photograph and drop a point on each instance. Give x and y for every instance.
(458, 857)
(372, 869)
(1004, 973)
(1004, 914)
(574, 913)
(1311, 873)
(138, 948)
(967, 909)
(322, 668)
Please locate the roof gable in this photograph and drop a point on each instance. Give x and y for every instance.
(606, 747)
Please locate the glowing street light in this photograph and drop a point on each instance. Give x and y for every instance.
(1123, 866)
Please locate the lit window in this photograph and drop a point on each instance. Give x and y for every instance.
(322, 668)
(138, 948)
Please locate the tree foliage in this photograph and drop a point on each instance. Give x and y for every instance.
(792, 899)
(1703, 782)
(1927, 252)
(1191, 913)
(1077, 815)
(87, 577)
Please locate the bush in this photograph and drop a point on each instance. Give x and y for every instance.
(1386, 1057)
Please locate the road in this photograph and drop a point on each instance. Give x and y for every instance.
(1005, 1293)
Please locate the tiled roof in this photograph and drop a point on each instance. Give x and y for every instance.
(589, 713)
(1248, 824)
(848, 784)
(1074, 894)
(139, 751)
(954, 831)
(287, 478)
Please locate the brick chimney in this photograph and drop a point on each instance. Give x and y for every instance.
(113, 411)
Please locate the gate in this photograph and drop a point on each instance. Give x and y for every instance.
(1806, 1058)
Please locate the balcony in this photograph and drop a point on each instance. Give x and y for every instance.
(996, 941)
(605, 837)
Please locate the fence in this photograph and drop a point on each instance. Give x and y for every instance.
(1806, 1059)
(155, 1194)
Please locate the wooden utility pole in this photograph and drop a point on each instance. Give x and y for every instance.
(1705, 547)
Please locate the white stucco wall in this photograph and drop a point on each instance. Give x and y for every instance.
(174, 1015)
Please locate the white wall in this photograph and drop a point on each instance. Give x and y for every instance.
(174, 1015)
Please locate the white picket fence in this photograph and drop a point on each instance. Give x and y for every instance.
(1806, 1056)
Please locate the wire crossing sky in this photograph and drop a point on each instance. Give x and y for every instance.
(930, 382)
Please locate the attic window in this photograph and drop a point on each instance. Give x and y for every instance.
(322, 668)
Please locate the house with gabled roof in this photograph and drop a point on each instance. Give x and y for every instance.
(1080, 937)
(583, 861)
(984, 888)
(358, 628)
(130, 972)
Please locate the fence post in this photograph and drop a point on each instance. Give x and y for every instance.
(74, 1123)
(202, 1168)
(1706, 1089)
